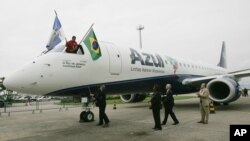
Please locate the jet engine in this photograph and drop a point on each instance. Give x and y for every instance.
(130, 98)
(223, 90)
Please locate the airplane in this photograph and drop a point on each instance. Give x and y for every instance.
(124, 71)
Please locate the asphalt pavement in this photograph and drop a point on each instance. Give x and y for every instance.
(129, 122)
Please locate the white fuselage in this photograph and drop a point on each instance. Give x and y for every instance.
(57, 70)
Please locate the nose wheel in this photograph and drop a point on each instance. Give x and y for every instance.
(86, 115)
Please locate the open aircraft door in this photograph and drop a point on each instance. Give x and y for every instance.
(115, 60)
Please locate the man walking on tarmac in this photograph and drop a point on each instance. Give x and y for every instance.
(100, 98)
(168, 102)
(204, 103)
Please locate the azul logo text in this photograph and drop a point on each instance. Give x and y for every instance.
(146, 59)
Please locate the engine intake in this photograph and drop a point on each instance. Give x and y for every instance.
(130, 98)
(223, 90)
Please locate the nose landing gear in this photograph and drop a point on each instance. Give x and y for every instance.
(86, 115)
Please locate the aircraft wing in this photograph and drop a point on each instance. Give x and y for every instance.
(236, 75)
(240, 74)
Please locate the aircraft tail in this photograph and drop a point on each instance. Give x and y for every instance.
(223, 60)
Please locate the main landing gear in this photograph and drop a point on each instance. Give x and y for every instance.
(86, 115)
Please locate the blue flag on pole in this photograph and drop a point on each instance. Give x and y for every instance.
(56, 36)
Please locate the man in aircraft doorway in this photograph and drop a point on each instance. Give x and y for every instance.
(72, 46)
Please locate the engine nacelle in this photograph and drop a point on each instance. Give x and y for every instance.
(129, 98)
(223, 90)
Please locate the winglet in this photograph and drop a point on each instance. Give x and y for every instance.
(223, 61)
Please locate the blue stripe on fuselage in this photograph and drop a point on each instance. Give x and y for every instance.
(132, 86)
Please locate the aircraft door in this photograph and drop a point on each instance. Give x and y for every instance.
(115, 62)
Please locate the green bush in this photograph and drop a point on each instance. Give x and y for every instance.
(19, 101)
(113, 97)
(70, 100)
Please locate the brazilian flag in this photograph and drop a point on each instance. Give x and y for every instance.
(92, 44)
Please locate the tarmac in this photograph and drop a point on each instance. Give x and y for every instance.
(129, 122)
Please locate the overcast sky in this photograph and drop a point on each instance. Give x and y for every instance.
(192, 29)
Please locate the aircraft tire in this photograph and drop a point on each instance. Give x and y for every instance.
(82, 115)
(88, 116)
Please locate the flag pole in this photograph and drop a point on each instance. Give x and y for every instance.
(55, 12)
(87, 32)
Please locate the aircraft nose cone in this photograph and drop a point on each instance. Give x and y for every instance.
(11, 83)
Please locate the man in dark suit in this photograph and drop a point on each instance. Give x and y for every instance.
(168, 102)
(156, 107)
(245, 92)
(100, 98)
